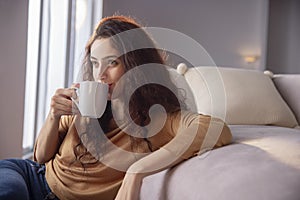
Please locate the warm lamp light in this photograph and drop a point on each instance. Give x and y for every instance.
(250, 59)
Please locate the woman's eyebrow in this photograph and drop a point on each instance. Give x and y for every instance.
(105, 58)
(109, 57)
(93, 58)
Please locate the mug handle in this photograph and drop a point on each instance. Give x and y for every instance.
(74, 100)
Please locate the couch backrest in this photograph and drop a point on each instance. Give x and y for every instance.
(238, 96)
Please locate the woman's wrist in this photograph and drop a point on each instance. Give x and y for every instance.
(53, 117)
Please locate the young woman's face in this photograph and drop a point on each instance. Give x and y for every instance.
(107, 68)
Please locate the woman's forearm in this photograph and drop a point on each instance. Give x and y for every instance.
(153, 163)
(47, 143)
(192, 139)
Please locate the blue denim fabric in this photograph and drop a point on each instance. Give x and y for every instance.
(23, 179)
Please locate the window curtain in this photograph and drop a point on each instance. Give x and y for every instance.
(64, 29)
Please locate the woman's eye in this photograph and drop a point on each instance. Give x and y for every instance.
(113, 63)
(95, 64)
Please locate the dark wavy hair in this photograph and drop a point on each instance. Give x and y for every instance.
(136, 48)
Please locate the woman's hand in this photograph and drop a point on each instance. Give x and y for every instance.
(131, 186)
(61, 102)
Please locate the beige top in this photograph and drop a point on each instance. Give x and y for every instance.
(90, 179)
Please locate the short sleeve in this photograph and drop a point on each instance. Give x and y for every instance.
(195, 133)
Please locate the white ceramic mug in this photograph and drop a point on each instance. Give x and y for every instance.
(91, 98)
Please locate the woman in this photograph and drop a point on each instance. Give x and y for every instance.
(107, 158)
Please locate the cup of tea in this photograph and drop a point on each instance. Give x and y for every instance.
(91, 98)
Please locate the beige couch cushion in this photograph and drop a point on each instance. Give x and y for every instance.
(239, 96)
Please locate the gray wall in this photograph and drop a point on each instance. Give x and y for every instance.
(13, 39)
(227, 29)
(284, 37)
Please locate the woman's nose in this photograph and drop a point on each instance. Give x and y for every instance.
(102, 74)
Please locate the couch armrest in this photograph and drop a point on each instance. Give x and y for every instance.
(288, 86)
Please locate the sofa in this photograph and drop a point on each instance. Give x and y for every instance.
(262, 110)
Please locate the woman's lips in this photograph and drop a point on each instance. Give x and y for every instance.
(110, 86)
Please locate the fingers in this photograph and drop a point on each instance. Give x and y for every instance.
(65, 92)
(57, 112)
(75, 85)
(61, 103)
